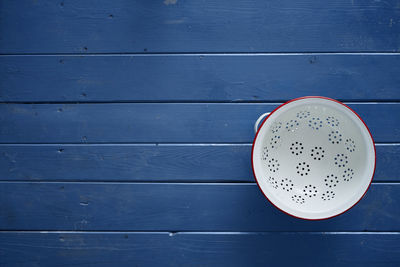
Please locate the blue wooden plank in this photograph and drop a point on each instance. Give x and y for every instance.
(121, 123)
(192, 26)
(199, 77)
(126, 162)
(177, 207)
(387, 162)
(199, 249)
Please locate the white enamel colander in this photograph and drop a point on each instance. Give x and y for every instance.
(313, 157)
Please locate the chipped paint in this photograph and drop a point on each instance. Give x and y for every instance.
(170, 2)
(175, 21)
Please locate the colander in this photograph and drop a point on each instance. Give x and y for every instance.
(313, 157)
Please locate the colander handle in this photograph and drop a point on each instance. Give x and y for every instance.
(259, 120)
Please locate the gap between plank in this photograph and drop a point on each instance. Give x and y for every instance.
(146, 182)
(382, 53)
(198, 232)
(151, 144)
(208, 102)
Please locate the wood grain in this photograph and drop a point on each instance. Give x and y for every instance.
(199, 249)
(126, 129)
(187, 123)
(177, 207)
(193, 26)
(147, 163)
(245, 77)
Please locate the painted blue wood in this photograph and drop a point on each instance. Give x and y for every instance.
(121, 123)
(177, 207)
(192, 26)
(199, 249)
(126, 162)
(183, 51)
(199, 77)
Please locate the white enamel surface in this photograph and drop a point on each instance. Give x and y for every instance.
(333, 179)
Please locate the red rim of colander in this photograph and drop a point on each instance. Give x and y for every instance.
(255, 138)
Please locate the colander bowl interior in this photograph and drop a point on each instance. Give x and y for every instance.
(313, 158)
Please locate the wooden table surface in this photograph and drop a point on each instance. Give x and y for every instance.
(126, 129)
